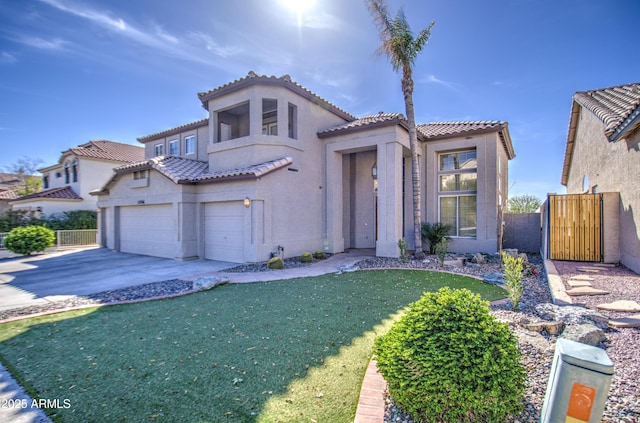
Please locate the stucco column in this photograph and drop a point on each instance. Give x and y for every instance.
(334, 239)
(389, 199)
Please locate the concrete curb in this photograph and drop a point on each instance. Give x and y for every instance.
(556, 286)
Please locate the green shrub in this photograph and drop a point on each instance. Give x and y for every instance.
(275, 263)
(306, 258)
(29, 239)
(434, 233)
(513, 275)
(319, 255)
(447, 359)
(11, 219)
(441, 250)
(402, 245)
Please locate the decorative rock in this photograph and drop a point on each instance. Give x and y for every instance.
(576, 283)
(536, 340)
(626, 322)
(478, 258)
(585, 333)
(209, 282)
(554, 327)
(590, 269)
(495, 278)
(572, 315)
(581, 278)
(458, 262)
(586, 290)
(513, 252)
(621, 305)
(524, 258)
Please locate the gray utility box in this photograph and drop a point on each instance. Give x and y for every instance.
(578, 384)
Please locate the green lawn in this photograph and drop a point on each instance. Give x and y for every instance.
(282, 351)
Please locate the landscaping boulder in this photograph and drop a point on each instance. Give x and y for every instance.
(572, 315)
(208, 282)
(585, 333)
(478, 258)
(495, 279)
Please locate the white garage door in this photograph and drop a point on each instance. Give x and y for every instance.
(148, 230)
(224, 231)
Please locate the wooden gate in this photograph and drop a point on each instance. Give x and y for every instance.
(575, 227)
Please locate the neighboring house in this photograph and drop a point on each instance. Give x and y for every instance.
(8, 184)
(66, 185)
(602, 155)
(274, 166)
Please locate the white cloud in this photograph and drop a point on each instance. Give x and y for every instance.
(7, 58)
(41, 43)
(214, 47)
(432, 79)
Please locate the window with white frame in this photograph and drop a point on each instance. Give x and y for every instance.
(292, 121)
(269, 116)
(173, 148)
(190, 145)
(158, 150)
(457, 191)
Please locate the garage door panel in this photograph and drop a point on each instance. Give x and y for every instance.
(224, 231)
(148, 230)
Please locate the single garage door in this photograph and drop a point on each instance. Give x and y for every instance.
(148, 230)
(224, 231)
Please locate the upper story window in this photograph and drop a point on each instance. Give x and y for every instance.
(457, 187)
(173, 148)
(269, 116)
(67, 176)
(45, 181)
(190, 145)
(74, 171)
(158, 150)
(233, 122)
(139, 174)
(292, 121)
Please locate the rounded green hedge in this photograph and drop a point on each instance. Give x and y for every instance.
(449, 360)
(29, 239)
(275, 263)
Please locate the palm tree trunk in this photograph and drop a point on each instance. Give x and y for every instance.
(407, 90)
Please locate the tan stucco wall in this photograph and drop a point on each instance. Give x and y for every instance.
(201, 135)
(611, 167)
(488, 148)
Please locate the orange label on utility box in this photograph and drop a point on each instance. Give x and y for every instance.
(580, 403)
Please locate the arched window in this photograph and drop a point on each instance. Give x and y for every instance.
(66, 173)
(74, 170)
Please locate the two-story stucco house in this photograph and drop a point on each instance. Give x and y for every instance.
(602, 156)
(80, 170)
(276, 166)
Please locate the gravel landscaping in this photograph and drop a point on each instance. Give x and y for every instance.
(621, 344)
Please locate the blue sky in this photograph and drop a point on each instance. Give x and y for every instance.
(73, 71)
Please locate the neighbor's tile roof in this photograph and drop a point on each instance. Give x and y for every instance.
(8, 194)
(9, 178)
(63, 193)
(618, 108)
(436, 130)
(188, 171)
(283, 81)
(613, 106)
(173, 131)
(108, 150)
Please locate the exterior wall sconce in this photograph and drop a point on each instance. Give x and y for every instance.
(374, 171)
(247, 202)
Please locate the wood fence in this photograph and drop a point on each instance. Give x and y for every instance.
(575, 227)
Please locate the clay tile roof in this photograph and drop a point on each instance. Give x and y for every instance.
(365, 122)
(172, 131)
(617, 107)
(9, 178)
(7, 194)
(254, 171)
(64, 193)
(178, 169)
(108, 150)
(435, 130)
(283, 81)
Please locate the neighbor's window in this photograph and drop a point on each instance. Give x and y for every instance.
(190, 145)
(74, 171)
(293, 121)
(66, 173)
(269, 116)
(158, 150)
(45, 181)
(457, 189)
(173, 148)
(139, 174)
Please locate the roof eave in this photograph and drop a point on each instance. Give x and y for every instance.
(374, 125)
(631, 122)
(571, 138)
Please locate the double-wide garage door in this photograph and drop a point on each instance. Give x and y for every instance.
(224, 231)
(148, 230)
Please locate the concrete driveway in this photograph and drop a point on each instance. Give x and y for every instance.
(42, 278)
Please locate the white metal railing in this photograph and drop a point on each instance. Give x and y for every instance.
(68, 238)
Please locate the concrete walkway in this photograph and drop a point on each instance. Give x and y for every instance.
(11, 390)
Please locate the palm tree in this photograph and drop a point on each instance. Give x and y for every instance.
(402, 49)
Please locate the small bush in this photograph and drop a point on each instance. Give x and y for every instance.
(402, 245)
(319, 255)
(441, 250)
(275, 263)
(434, 233)
(449, 360)
(306, 258)
(513, 275)
(29, 239)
